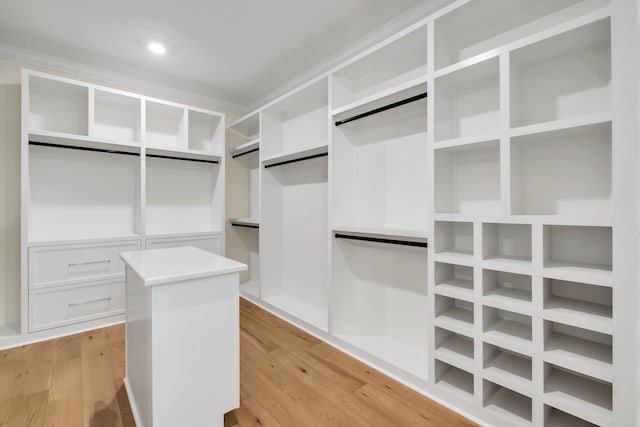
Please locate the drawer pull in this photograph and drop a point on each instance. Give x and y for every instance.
(73, 304)
(76, 264)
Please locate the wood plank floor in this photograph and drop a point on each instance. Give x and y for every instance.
(287, 378)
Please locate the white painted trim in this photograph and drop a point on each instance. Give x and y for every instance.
(132, 403)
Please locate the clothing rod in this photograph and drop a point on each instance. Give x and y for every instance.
(73, 147)
(159, 156)
(233, 156)
(233, 224)
(296, 160)
(383, 108)
(379, 240)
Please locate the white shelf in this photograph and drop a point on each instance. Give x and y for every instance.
(183, 154)
(391, 351)
(247, 126)
(454, 380)
(466, 141)
(456, 350)
(557, 418)
(382, 232)
(507, 290)
(454, 238)
(296, 155)
(561, 124)
(117, 117)
(92, 143)
(57, 105)
(123, 237)
(454, 315)
(247, 147)
(165, 125)
(301, 309)
(205, 131)
(507, 329)
(510, 370)
(252, 222)
(456, 288)
(510, 405)
(578, 304)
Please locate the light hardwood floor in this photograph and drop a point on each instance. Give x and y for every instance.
(287, 378)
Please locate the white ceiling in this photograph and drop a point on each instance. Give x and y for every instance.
(234, 50)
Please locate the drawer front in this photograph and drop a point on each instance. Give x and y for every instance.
(50, 308)
(58, 265)
(210, 243)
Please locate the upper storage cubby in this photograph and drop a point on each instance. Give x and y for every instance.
(480, 26)
(297, 122)
(165, 125)
(206, 131)
(116, 116)
(468, 102)
(398, 62)
(561, 77)
(58, 106)
(247, 126)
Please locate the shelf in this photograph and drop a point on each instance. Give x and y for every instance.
(507, 329)
(58, 106)
(382, 232)
(209, 233)
(248, 126)
(206, 131)
(454, 349)
(123, 237)
(117, 117)
(198, 156)
(508, 369)
(454, 281)
(246, 148)
(568, 75)
(561, 124)
(562, 172)
(467, 102)
(507, 290)
(454, 380)
(511, 405)
(83, 142)
(579, 349)
(165, 125)
(454, 315)
(466, 142)
(467, 179)
(557, 418)
(578, 395)
(295, 156)
(506, 245)
(245, 222)
(296, 307)
(391, 351)
(454, 238)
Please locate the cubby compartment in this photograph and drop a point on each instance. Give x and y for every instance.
(77, 194)
(482, 25)
(378, 301)
(562, 77)
(454, 280)
(454, 349)
(116, 117)
(165, 125)
(507, 403)
(297, 122)
(578, 253)
(563, 172)
(183, 196)
(58, 106)
(578, 394)
(400, 61)
(379, 171)
(454, 380)
(507, 368)
(507, 329)
(579, 304)
(556, 418)
(507, 245)
(294, 238)
(467, 179)
(206, 132)
(467, 102)
(247, 126)
(454, 314)
(454, 239)
(580, 349)
(507, 289)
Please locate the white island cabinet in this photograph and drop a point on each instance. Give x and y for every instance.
(182, 336)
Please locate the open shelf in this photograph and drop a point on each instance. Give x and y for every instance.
(248, 147)
(579, 304)
(379, 290)
(395, 63)
(578, 395)
(507, 290)
(116, 117)
(299, 308)
(83, 142)
(556, 418)
(58, 106)
(454, 380)
(454, 281)
(509, 404)
(295, 156)
(296, 122)
(481, 26)
(507, 246)
(507, 329)
(165, 126)
(579, 349)
(581, 254)
(183, 196)
(454, 349)
(247, 222)
(84, 193)
(564, 76)
(454, 315)
(468, 102)
(454, 238)
(247, 126)
(206, 132)
(388, 233)
(562, 172)
(378, 169)
(467, 179)
(508, 369)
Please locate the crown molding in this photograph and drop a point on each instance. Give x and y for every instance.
(109, 78)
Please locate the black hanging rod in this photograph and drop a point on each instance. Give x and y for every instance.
(73, 147)
(296, 160)
(379, 240)
(233, 224)
(233, 156)
(159, 156)
(383, 108)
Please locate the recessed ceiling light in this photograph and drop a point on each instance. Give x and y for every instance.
(157, 48)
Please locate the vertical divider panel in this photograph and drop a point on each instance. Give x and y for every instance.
(505, 157)
(92, 111)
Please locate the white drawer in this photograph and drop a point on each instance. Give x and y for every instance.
(64, 305)
(208, 243)
(67, 264)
